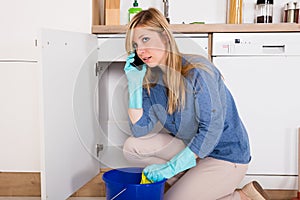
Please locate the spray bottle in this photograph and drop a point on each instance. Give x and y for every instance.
(134, 10)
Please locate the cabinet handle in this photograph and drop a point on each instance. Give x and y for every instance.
(273, 49)
(273, 46)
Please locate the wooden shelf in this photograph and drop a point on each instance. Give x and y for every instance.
(208, 28)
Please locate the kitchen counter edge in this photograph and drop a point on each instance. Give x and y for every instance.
(208, 28)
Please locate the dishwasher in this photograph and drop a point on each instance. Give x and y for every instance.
(262, 72)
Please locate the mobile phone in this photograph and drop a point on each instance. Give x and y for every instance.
(137, 63)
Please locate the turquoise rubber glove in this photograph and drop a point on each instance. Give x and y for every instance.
(182, 161)
(135, 82)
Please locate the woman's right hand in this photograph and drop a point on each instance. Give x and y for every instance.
(135, 82)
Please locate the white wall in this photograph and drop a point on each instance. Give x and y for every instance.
(182, 11)
(66, 15)
(213, 11)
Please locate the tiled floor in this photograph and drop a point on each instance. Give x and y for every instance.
(38, 198)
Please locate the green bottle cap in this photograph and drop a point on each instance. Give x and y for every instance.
(135, 4)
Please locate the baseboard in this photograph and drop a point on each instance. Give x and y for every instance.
(28, 184)
(20, 184)
(282, 194)
(273, 182)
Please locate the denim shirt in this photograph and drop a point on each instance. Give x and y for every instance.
(209, 124)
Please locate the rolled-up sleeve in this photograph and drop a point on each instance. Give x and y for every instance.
(148, 120)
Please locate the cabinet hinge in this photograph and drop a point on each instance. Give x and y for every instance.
(99, 147)
(98, 68)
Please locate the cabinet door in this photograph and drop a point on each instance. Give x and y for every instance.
(19, 127)
(70, 129)
(19, 23)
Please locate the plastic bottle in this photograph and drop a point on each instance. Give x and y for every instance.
(134, 10)
(234, 11)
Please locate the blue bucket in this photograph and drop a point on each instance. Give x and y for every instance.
(124, 184)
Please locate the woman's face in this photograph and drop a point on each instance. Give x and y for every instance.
(150, 46)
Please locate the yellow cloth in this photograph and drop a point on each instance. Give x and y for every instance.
(144, 179)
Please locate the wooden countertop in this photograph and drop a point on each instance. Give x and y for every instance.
(208, 28)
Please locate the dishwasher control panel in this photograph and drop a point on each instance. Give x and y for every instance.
(256, 44)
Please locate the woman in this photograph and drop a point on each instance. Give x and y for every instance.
(204, 151)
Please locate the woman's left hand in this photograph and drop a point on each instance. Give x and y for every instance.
(182, 161)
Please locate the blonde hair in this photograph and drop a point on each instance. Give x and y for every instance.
(152, 19)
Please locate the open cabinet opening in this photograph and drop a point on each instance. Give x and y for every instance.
(113, 117)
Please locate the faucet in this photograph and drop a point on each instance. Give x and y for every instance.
(166, 9)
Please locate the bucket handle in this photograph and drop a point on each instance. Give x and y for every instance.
(118, 194)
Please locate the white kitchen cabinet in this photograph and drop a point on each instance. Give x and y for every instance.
(19, 25)
(19, 121)
(83, 107)
(19, 145)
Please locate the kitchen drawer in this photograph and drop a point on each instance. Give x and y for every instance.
(112, 46)
(192, 43)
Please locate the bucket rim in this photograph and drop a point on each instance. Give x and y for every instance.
(139, 170)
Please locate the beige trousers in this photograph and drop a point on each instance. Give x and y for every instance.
(210, 179)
